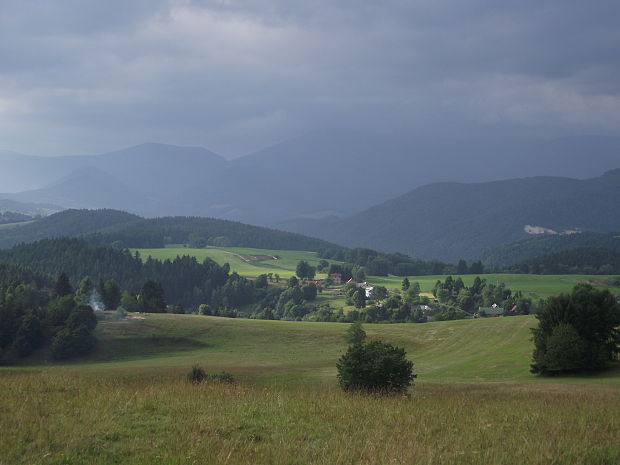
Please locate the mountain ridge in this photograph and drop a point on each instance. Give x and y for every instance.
(450, 221)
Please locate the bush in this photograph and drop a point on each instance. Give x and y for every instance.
(376, 367)
(197, 375)
(222, 377)
(120, 314)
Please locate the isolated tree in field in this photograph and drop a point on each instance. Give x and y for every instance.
(577, 332)
(373, 366)
(355, 334)
(305, 270)
(151, 299)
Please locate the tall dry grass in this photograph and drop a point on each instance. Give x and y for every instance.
(64, 418)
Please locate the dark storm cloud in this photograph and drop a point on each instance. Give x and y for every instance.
(235, 75)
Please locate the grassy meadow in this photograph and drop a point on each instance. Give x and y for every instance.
(535, 286)
(474, 400)
(246, 262)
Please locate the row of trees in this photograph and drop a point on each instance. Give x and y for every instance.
(382, 264)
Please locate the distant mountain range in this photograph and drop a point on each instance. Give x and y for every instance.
(322, 174)
(450, 221)
(30, 209)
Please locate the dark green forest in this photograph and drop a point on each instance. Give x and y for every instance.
(123, 230)
(36, 314)
(585, 260)
(506, 256)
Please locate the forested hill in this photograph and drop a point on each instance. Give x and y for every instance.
(112, 227)
(585, 260)
(184, 280)
(449, 221)
(67, 223)
(546, 244)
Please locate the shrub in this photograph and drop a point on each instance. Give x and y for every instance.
(374, 366)
(222, 377)
(196, 375)
(120, 314)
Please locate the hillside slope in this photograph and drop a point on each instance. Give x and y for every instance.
(107, 226)
(449, 221)
(545, 244)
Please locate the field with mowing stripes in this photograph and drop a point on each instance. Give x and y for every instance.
(246, 262)
(474, 401)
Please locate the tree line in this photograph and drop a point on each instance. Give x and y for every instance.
(583, 260)
(397, 264)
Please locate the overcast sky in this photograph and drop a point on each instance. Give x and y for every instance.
(88, 76)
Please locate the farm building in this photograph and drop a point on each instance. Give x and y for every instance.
(336, 278)
(492, 311)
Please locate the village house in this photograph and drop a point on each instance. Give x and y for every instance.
(336, 278)
(492, 311)
(367, 287)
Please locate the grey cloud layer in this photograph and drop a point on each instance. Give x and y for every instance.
(235, 75)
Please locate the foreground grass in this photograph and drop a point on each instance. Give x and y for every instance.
(474, 401)
(66, 418)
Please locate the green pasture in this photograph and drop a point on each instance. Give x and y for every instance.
(241, 259)
(474, 400)
(532, 285)
(264, 352)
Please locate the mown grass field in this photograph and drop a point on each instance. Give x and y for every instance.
(473, 402)
(532, 285)
(241, 259)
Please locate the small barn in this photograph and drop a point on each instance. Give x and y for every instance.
(492, 311)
